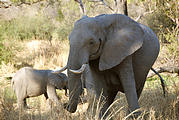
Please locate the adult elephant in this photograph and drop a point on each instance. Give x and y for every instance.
(120, 53)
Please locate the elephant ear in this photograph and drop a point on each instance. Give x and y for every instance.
(57, 79)
(124, 37)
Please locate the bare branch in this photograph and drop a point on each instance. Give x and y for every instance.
(165, 69)
(104, 3)
(116, 6)
(140, 16)
(115, 3)
(81, 5)
(124, 4)
(94, 0)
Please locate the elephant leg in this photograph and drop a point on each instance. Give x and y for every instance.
(46, 96)
(108, 99)
(51, 92)
(48, 101)
(139, 90)
(140, 78)
(66, 92)
(102, 92)
(25, 104)
(140, 81)
(125, 71)
(20, 99)
(20, 103)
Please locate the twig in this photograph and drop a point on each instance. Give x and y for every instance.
(140, 16)
(104, 3)
(81, 5)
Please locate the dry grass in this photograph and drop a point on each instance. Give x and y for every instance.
(152, 102)
(42, 55)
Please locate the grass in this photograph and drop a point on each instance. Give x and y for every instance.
(16, 31)
(25, 28)
(153, 105)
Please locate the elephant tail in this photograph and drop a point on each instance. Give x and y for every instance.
(161, 79)
(12, 88)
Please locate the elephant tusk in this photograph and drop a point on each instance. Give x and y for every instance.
(61, 70)
(79, 70)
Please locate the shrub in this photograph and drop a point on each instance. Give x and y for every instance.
(20, 29)
(5, 54)
(60, 15)
(164, 19)
(27, 28)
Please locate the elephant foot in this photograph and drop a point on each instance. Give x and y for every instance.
(49, 104)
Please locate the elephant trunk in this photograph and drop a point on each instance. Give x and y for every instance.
(74, 81)
(75, 90)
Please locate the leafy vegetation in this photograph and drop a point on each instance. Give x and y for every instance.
(5, 53)
(165, 17)
(27, 28)
(22, 29)
(164, 20)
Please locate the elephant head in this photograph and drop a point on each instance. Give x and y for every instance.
(58, 80)
(109, 38)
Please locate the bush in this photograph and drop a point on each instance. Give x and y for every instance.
(21, 29)
(164, 19)
(5, 54)
(27, 28)
(164, 22)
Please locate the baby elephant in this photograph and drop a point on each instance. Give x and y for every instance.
(29, 82)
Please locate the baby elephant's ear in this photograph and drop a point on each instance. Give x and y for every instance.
(57, 79)
(54, 79)
(120, 43)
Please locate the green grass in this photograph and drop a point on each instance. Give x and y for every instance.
(16, 31)
(26, 28)
(168, 79)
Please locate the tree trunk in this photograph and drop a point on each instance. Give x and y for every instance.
(124, 6)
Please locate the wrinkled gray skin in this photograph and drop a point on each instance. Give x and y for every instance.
(87, 80)
(29, 82)
(120, 53)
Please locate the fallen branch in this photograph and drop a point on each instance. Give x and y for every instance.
(165, 69)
